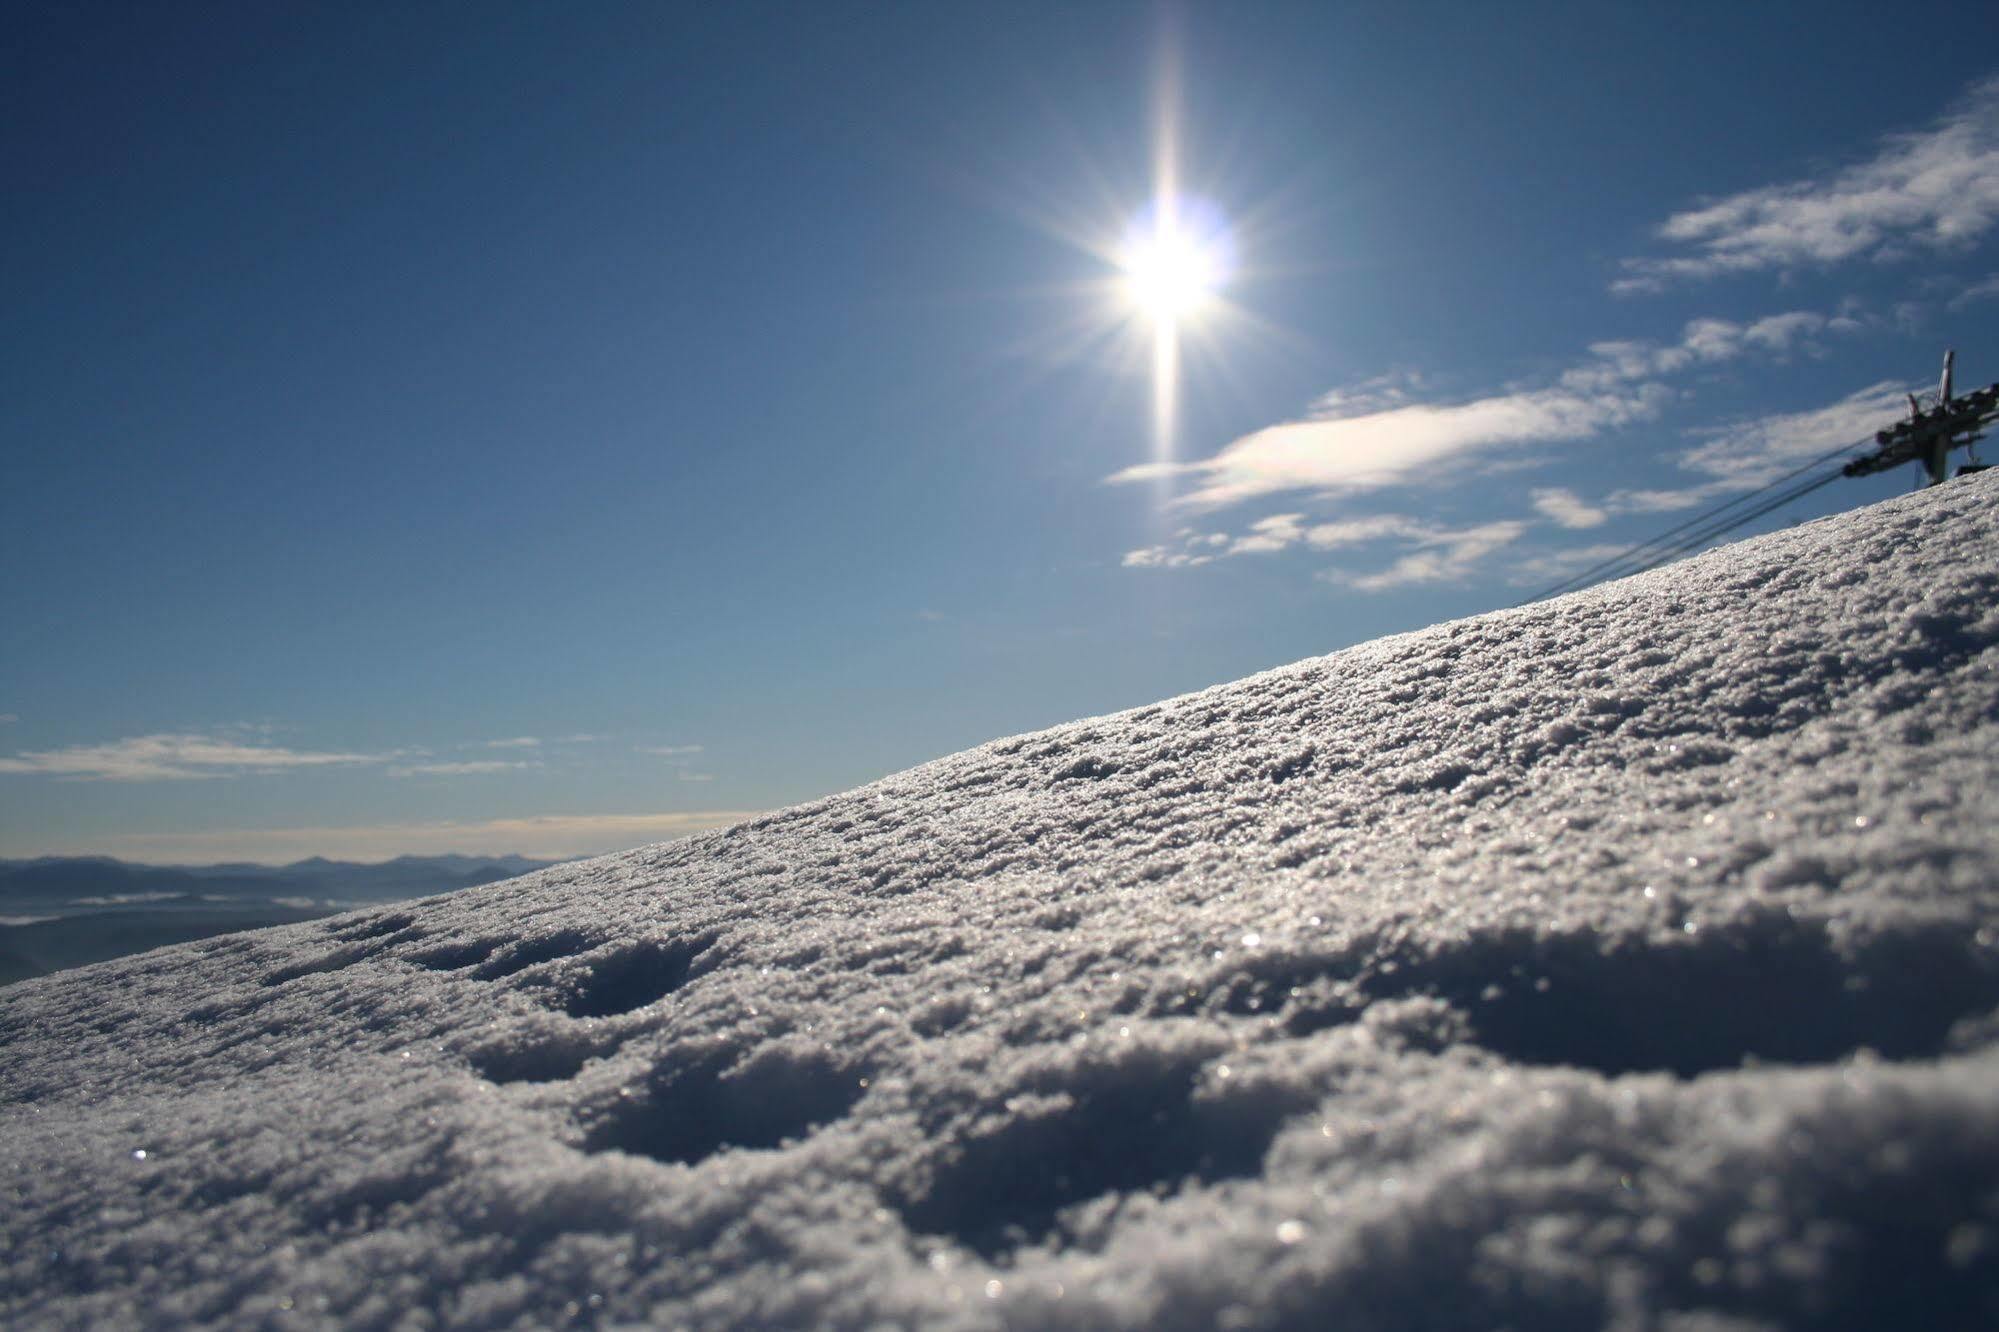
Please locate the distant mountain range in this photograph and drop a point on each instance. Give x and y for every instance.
(65, 911)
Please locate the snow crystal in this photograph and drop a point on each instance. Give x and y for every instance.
(1629, 959)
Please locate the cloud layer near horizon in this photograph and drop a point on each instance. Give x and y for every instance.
(174, 757)
(541, 837)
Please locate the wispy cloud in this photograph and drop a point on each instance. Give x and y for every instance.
(1743, 455)
(1269, 534)
(516, 742)
(679, 756)
(551, 836)
(1567, 508)
(1730, 458)
(1553, 566)
(1376, 435)
(474, 768)
(1661, 500)
(1734, 458)
(174, 757)
(1189, 555)
(1335, 455)
(1935, 189)
(1706, 341)
(1441, 556)
(6, 717)
(1432, 553)
(1192, 548)
(1751, 453)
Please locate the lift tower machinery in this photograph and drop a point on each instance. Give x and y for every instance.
(1927, 437)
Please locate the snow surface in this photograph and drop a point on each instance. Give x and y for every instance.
(1629, 959)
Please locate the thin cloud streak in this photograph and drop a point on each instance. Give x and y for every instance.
(1433, 553)
(174, 758)
(1744, 455)
(1936, 190)
(542, 837)
(1344, 455)
(1372, 435)
(474, 768)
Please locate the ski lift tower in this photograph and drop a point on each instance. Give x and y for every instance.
(1928, 436)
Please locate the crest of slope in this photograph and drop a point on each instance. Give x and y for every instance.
(1623, 958)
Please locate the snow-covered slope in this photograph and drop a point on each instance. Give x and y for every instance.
(1627, 959)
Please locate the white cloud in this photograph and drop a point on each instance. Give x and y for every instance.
(1751, 453)
(1744, 455)
(174, 757)
(6, 717)
(517, 742)
(1553, 566)
(1443, 556)
(695, 776)
(550, 836)
(1704, 342)
(1623, 362)
(1373, 436)
(1723, 339)
(1359, 531)
(1347, 454)
(1369, 396)
(1277, 533)
(1937, 189)
(475, 768)
(1269, 534)
(669, 751)
(1567, 508)
(1434, 554)
(1660, 501)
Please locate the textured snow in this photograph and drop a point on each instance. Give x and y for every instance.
(1629, 959)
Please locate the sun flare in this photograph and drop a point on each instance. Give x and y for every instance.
(1172, 270)
(1176, 257)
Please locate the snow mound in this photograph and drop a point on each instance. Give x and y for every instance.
(1629, 959)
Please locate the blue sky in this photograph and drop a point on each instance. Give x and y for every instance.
(550, 428)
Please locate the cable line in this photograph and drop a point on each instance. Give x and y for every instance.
(1709, 534)
(1651, 548)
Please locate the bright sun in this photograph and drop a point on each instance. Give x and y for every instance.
(1170, 273)
(1177, 256)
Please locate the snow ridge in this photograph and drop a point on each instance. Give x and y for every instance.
(1629, 959)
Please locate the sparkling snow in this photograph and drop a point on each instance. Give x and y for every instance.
(1630, 959)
